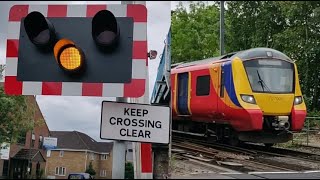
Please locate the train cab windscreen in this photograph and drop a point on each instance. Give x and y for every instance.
(270, 76)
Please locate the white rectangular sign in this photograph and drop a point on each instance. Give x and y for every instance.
(50, 143)
(5, 151)
(135, 122)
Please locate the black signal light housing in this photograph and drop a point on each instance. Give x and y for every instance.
(105, 30)
(39, 30)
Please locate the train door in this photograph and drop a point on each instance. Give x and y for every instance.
(222, 104)
(183, 95)
(215, 78)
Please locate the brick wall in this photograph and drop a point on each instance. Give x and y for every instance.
(41, 129)
(77, 162)
(106, 165)
(1, 166)
(99, 165)
(34, 167)
(95, 162)
(74, 162)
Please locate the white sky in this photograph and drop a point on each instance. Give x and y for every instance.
(83, 114)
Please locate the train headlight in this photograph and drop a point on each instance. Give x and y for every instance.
(248, 98)
(297, 100)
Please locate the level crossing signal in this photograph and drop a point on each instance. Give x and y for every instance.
(95, 53)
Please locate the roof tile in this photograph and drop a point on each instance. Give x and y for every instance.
(79, 140)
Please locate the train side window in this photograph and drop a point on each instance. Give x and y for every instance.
(181, 89)
(203, 85)
(222, 84)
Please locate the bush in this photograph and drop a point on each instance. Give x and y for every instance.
(129, 171)
(313, 113)
(40, 175)
(90, 170)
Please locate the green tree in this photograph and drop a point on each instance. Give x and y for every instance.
(129, 171)
(252, 24)
(90, 170)
(195, 33)
(16, 116)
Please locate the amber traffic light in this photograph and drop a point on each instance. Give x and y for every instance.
(69, 57)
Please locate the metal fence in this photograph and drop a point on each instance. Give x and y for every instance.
(310, 134)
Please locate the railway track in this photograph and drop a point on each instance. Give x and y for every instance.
(258, 153)
(272, 151)
(254, 149)
(212, 156)
(217, 146)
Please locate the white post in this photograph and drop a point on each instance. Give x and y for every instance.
(118, 160)
(119, 147)
(143, 100)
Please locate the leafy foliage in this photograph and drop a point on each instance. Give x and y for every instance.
(292, 27)
(40, 174)
(16, 116)
(194, 34)
(90, 170)
(129, 171)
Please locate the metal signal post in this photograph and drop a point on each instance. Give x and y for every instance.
(221, 27)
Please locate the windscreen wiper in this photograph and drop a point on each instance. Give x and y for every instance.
(263, 84)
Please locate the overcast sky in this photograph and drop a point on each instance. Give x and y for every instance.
(83, 114)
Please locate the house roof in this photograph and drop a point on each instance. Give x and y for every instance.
(32, 154)
(80, 141)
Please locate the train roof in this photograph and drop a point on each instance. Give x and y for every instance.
(243, 55)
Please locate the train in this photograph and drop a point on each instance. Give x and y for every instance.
(252, 95)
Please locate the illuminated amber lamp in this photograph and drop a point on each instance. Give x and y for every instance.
(69, 57)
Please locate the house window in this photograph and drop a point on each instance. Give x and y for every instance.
(33, 140)
(60, 171)
(104, 156)
(40, 142)
(103, 173)
(61, 153)
(48, 153)
(91, 156)
(203, 85)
